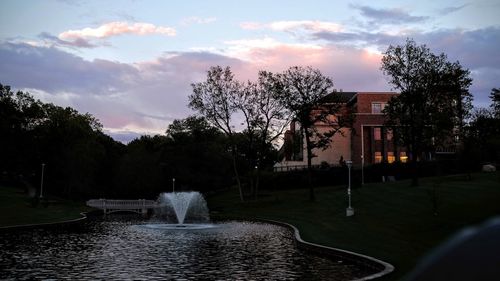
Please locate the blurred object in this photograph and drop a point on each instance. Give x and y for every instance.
(489, 168)
(472, 254)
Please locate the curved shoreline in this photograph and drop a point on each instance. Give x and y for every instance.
(44, 225)
(383, 267)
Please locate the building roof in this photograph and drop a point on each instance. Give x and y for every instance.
(336, 97)
(346, 97)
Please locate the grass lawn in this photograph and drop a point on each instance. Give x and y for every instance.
(15, 209)
(393, 221)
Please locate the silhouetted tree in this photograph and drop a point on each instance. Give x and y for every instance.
(71, 150)
(265, 117)
(434, 98)
(482, 141)
(495, 105)
(139, 173)
(197, 154)
(303, 92)
(20, 114)
(214, 99)
(71, 145)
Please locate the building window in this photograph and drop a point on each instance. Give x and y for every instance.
(378, 157)
(390, 157)
(377, 107)
(377, 133)
(403, 157)
(389, 134)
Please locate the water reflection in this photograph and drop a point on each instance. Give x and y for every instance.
(125, 249)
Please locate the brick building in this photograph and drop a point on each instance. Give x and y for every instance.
(368, 142)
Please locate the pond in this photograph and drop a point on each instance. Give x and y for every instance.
(124, 247)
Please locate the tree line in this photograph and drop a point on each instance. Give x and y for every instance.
(81, 162)
(233, 137)
(203, 152)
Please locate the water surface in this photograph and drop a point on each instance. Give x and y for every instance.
(123, 248)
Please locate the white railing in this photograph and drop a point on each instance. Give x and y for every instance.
(110, 205)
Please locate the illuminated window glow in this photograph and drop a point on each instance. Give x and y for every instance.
(378, 157)
(403, 157)
(390, 157)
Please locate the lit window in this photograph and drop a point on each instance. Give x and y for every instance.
(402, 157)
(390, 157)
(377, 107)
(389, 134)
(377, 134)
(378, 157)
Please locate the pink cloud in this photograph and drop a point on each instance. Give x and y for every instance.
(351, 69)
(147, 96)
(293, 26)
(117, 28)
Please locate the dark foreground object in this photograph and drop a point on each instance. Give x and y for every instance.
(473, 254)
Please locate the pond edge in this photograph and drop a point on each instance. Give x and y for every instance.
(44, 225)
(383, 267)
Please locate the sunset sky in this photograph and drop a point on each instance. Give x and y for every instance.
(131, 63)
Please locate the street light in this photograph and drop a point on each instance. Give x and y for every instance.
(41, 181)
(349, 211)
(173, 184)
(362, 170)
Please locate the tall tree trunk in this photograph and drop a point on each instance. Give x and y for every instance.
(237, 175)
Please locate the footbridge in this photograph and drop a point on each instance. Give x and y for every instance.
(140, 206)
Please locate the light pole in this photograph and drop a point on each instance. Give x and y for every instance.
(41, 181)
(173, 184)
(349, 211)
(362, 170)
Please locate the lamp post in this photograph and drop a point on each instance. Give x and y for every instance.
(362, 170)
(349, 211)
(173, 184)
(41, 181)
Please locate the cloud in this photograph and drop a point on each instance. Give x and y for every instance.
(124, 136)
(53, 70)
(484, 80)
(198, 20)
(294, 26)
(360, 39)
(476, 48)
(307, 25)
(451, 9)
(249, 49)
(388, 16)
(145, 97)
(350, 68)
(116, 28)
(140, 97)
(77, 42)
(245, 44)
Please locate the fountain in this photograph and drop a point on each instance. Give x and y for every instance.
(182, 210)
